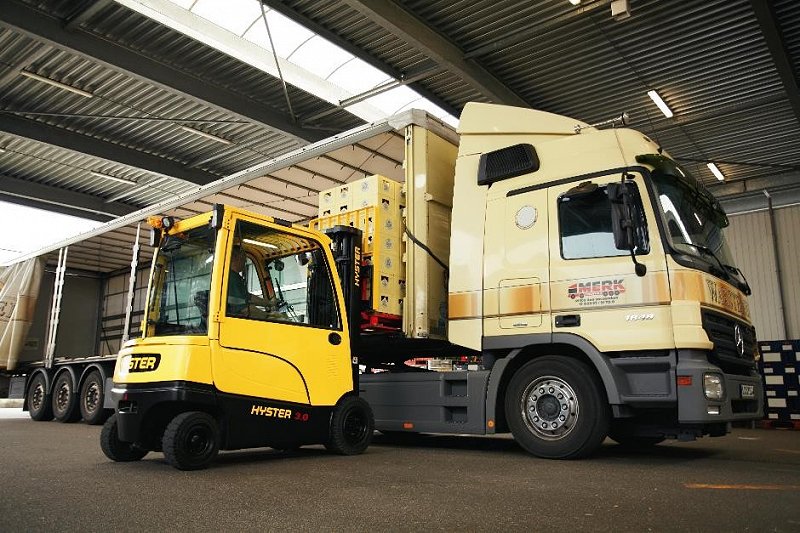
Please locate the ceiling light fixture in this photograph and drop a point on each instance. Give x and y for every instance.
(58, 84)
(714, 170)
(113, 178)
(575, 2)
(206, 135)
(660, 103)
(259, 243)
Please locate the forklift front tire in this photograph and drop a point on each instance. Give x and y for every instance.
(352, 426)
(115, 449)
(191, 440)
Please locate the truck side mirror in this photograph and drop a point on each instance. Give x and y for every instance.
(626, 214)
(621, 219)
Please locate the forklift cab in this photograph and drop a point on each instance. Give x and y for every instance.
(247, 321)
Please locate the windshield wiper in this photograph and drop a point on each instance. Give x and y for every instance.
(745, 286)
(708, 251)
(724, 269)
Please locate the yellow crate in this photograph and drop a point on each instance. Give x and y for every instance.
(374, 191)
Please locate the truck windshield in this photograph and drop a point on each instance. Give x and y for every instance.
(180, 284)
(693, 218)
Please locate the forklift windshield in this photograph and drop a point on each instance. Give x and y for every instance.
(180, 284)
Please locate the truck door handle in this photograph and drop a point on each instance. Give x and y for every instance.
(568, 321)
(335, 339)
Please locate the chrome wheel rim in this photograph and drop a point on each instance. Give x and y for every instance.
(550, 408)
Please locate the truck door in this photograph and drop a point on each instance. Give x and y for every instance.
(516, 271)
(282, 335)
(594, 290)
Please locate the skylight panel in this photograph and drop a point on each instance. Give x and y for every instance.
(286, 33)
(433, 109)
(357, 76)
(394, 100)
(185, 4)
(320, 57)
(233, 15)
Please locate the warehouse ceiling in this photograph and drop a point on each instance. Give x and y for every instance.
(107, 107)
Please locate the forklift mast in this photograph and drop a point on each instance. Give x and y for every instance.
(346, 248)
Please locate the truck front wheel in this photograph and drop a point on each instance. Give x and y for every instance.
(115, 449)
(556, 408)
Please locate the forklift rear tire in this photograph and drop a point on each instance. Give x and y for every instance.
(191, 441)
(115, 449)
(352, 426)
(39, 406)
(65, 399)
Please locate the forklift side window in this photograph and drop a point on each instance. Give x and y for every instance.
(280, 277)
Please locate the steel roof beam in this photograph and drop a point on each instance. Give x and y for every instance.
(76, 142)
(767, 20)
(85, 12)
(407, 27)
(60, 200)
(33, 23)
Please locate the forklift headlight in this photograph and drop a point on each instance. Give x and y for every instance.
(713, 386)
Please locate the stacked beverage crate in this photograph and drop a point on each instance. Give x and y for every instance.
(374, 205)
(780, 366)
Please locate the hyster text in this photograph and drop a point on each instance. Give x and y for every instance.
(275, 412)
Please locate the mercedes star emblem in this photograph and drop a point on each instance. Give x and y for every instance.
(739, 339)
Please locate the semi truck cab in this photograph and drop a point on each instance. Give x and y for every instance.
(599, 249)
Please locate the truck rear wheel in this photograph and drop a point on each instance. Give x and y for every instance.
(65, 401)
(91, 399)
(556, 408)
(115, 449)
(39, 406)
(191, 441)
(352, 425)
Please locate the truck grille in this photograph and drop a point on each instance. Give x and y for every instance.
(732, 357)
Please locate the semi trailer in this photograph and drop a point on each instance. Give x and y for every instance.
(584, 267)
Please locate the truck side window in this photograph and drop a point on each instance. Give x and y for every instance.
(281, 277)
(585, 226)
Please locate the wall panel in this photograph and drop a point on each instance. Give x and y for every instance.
(750, 238)
(787, 224)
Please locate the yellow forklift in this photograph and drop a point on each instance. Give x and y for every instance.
(246, 343)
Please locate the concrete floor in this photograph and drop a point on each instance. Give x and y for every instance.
(54, 476)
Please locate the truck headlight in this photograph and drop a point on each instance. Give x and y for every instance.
(713, 386)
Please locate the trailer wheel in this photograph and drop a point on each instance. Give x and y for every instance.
(352, 425)
(556, 408)
(115, 449)
(91, 399)
(191, 440)
(64, 399)
(39, 406)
